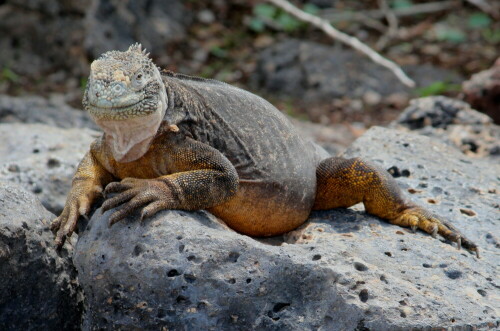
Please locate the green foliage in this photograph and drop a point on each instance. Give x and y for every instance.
(83, 83)
(218, 52)
(9, 75)
(491, 35)
(436, 88)
(455, 28)
(481, 21)
(264, 12)
(397, 4)
(478, 21)
(257, 25)
(288, 23)
(311, 8)
(451, 34)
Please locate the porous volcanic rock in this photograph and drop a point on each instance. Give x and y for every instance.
(43, 159)
(342, 270)
(52, 111)
(453, 122)
(38, 286)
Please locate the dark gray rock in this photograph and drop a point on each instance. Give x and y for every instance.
(38, 36)
(482, 91)
(34, 109)
(186, 271)
(154, 23)
(43, 159)
(342, 270)
(53, 40)
(318, 73)
(440, 112)
(38, 286)
(454, 122)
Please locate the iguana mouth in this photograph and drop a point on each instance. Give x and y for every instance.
(138, 109)
(117, 108)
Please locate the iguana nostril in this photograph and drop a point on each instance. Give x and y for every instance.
(118, 88)
(97, 94)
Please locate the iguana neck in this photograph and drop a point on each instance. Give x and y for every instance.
(130, 139)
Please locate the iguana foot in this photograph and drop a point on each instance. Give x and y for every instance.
(78, 204)
(345, 182)
(419, 218)
(150, 195)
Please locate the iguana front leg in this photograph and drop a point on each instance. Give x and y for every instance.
(345, 182)
(87, 185)
(202, 178)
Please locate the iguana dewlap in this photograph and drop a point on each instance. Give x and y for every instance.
(177, 142)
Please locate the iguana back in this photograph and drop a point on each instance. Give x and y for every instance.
(257, 138)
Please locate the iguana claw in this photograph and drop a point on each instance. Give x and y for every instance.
(150, 195)
(418, 217)
(434, 231)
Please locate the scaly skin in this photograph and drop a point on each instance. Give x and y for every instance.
(347, 182)
(178, 142)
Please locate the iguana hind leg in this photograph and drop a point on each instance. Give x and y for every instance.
(345, 182)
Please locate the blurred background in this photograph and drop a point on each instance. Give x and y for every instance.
(333, 94)
(46, 47)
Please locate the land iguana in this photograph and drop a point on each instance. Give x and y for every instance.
(173, 141)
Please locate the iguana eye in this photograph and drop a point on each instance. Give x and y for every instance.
(139, 80)
(139, 77)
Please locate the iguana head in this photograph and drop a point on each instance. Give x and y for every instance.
(126, 97)
(124, 85)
